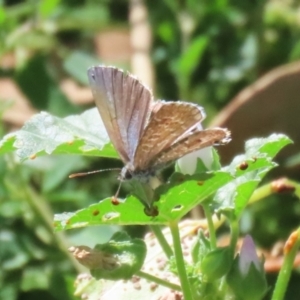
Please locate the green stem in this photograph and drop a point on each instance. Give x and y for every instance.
(211, 227)
(267, 190)
(41, 208)
(260, 193)
(185, 284)
(286, 269)
(162, 240)
(159, 281)
(234, 234)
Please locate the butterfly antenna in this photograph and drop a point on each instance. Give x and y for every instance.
(92, 172)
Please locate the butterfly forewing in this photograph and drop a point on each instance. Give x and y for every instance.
(123, 103)
(168, 121)
(137, 114)
(194, 141)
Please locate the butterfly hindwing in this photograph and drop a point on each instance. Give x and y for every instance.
(196, 140)
(168, 122)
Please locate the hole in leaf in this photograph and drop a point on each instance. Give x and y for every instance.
(87, 148)
(177, 207)
(200, 182)
(111, 215)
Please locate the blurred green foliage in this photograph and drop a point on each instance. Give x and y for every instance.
(203, 51)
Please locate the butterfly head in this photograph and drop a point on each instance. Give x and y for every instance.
(129, 172)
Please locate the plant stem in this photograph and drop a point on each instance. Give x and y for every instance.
(234, 234)
(211, 227)
(41, 208)
(267, 190)
(260, 193)
(162, 240)
(185, 284)
(159, 281)
(291, 248)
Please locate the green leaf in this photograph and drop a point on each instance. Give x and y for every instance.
(184, 192)
(177, 198)
(46, 7)
(217, 263)
(136, 288)
(85, 17)
(249, 169)
(77, 63)
(35, 80)
(200, 248)
(232, 198)
(45, 134)
(35, 278)
(216, 164)
(269, 146)
(119, 258)
(2, 15)
(59, 169)
(190, 58)
(127, 212)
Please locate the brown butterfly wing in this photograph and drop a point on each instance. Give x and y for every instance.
(167, 123)
(196, 140)
(123, 103)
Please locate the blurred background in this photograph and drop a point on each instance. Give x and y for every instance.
(240, 60)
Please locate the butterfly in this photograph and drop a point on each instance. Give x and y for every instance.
(148, 135)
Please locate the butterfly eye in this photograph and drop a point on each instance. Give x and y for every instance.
(127, 175)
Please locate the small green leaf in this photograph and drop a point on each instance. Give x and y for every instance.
(35, 277)
(200, 248)
(45, 134)
(217, 263)
(249, 169)
(269, 146)
(119, 258)
(46, 7)
(59, 169)
(189, 60)
(85, 17)
(233, 197)
(201, 167)
(191, 57)
(216, 165)
(77, 63)
(2, 15)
